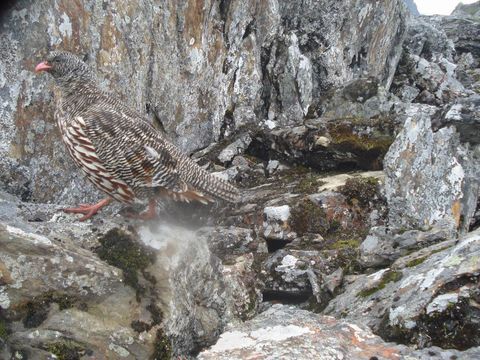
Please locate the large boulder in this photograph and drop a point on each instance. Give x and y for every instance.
(429, 297)
(284, 332)
(430, 176)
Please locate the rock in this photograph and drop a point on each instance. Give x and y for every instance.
(168, 289)
(335, 182)
(412, 7)
(432, 300)
(200, 71)
(425, 40)
(329, 144)
(310, 277)
(364, 99)
(463, 31)
(235, 148)
(467, 10)
(381, 247)
(428, 65)
(286, 332)
(430, 177)
(276, 224)
(464, 115)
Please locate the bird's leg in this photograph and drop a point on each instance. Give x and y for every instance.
(88, 210)
(150, 214)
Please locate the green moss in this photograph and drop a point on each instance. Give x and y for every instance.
(360, 190)
(388, 277)
(36, 310)
(345, 244)
(292, 174)
(416, 262)
(420, 260)
(344, 137)
(120, 250)
(3, 329)
(306, 217)
(162, 347)
(307, 185)
(66, 350)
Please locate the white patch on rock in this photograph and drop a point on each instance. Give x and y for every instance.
(65, 27)
(232, 340)
(270, 124)
(4, 299)
(239, 340)
(456, 175)
(364, 12)
(396, 318)
(279, 332)
(288, 262)
(430, 277)
(37, 239)
(378, 275)
(279, 213)
(455, 112)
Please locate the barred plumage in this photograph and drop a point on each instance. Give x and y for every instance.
(119, 151)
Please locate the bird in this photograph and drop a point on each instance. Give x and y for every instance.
(118, 149)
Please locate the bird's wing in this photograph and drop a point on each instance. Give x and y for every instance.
(131, 148)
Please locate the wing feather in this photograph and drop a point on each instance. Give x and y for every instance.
(131, 148)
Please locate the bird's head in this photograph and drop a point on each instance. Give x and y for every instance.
(63, 65)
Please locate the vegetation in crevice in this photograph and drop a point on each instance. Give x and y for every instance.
(388, 277)
(66, 350)
(35, 311)
(119, 249)
(162, 347)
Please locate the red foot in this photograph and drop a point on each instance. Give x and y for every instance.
(150, 214)
(88, 210)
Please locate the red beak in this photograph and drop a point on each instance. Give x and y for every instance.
(43, 66)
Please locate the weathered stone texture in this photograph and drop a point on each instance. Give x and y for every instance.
(199, 69)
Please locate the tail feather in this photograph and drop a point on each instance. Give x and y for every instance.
(209, 184)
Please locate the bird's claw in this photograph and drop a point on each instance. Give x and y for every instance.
(87, 209)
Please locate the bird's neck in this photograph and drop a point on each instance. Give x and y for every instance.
(76, 87)
(75, 95)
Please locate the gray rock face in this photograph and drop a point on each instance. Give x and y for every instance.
(467, 9)
(425, 300)
(284, 332)
(439, 60)
(463, 32)
(465, 117)
(381, 248)
(412, 7)
(199, 70)
(430, 177)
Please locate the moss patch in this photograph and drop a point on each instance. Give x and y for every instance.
(344, 137)
(307, 185)
(388, 277)
(36, 310)
(66, 350)
(163, 347)
(352, 243)
(307, 217)
(416, 261)
(3, 329)
(120, 250)
(360, 191)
